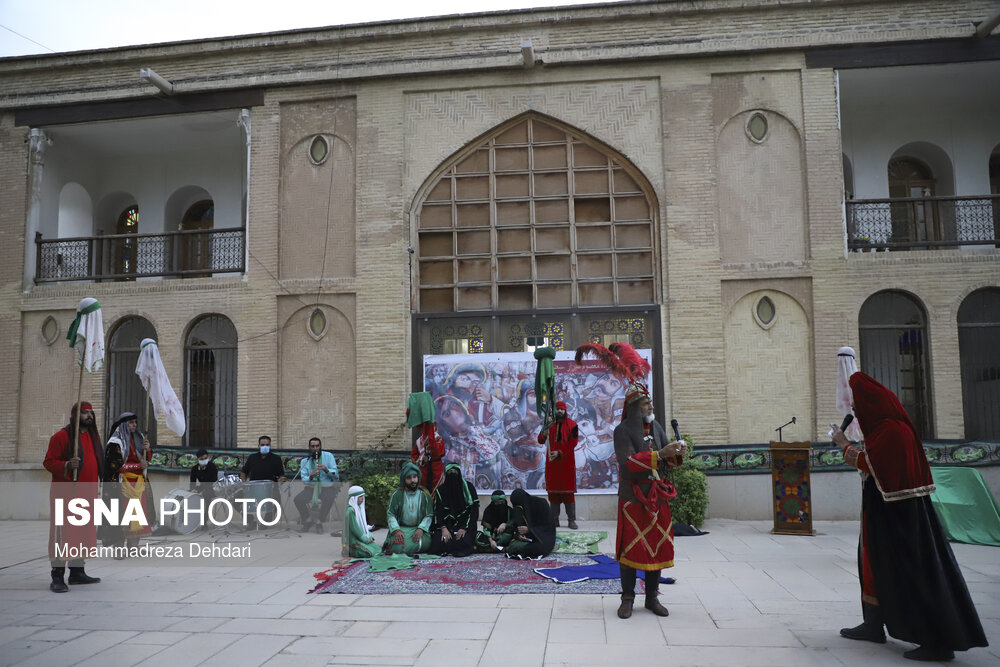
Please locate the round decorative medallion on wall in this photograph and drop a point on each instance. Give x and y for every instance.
(50, 330)
(316, 324)
(756, 127)
(765, 313)
(319, 150)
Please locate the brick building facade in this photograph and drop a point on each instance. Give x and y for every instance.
(714, 131)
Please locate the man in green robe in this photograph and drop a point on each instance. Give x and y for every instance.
(360, 543)
(409, 514)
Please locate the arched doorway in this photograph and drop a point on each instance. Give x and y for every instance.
(893, 336)
(124, 391)
(979, 352)
(210, 383)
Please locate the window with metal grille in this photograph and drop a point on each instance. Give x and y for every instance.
(537, 215)
(979, 352)
(124, 391)
(210, 383)
(893, 334)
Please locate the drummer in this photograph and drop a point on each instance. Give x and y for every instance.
(203, 475)
(263, 465)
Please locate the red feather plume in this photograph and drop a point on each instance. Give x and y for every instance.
(638, 367)
(607, 358)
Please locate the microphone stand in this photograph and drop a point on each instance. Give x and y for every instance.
(783, 426)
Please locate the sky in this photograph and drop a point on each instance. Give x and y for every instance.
(29, 27)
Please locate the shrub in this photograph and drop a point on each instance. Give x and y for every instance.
(692, 492)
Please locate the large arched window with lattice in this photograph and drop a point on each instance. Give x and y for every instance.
(893, 334)
(125, 392)
(210, 382)
(535, 215)
(979, 352)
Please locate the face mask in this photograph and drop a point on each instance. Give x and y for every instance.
(649, 418)
(203, 462)
(264, 449)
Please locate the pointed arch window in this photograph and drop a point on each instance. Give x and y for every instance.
(536, 215)
(210, 386)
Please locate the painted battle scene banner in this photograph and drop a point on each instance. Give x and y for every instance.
(485, 408)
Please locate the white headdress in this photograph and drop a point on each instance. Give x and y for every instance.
(359, 510)
(847, 366)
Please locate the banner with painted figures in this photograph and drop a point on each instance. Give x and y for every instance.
(485, 410)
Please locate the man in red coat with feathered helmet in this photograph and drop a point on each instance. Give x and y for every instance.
(645, 539)
(560, 465)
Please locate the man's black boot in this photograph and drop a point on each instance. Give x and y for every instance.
(869, 631)
(58, 585)
(78, 576)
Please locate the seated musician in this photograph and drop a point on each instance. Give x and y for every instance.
(319, 472)
(263, 465)
(203, 475)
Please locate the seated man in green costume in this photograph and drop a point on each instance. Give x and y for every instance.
(409, 514)
(496, 516)
(360, 543)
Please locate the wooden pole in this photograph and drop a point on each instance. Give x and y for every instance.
(76, 438)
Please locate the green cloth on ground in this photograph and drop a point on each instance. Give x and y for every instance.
(968, 511)
(579, 541)
(420, 408)
(383, 563)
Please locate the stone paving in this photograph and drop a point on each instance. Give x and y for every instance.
(742, 597)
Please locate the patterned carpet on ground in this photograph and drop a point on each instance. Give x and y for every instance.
(476, 574)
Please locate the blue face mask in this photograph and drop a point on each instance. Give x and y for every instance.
(264, 449)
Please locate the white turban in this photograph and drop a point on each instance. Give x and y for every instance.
(847, 366)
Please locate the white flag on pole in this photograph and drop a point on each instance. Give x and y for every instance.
(154, 380)
(86, 334)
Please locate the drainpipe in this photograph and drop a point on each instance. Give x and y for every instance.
(987, 26)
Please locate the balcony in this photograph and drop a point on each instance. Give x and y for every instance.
(116, 257)
(920, 223)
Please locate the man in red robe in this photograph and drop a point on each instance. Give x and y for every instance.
(911, 584)
(645, 539)
(87, 464)
(560, 468)
(427, 452)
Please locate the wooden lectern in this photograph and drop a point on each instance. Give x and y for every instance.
(790, 481)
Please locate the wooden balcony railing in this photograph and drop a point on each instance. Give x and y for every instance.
(923, 222)
(183, 254)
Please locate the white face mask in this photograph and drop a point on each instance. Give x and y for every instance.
(203, 462)
(264, 449)
(649, 418)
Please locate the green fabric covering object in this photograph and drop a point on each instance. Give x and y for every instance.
(968, 511)
(579, 541)
(420, 406)
(545, 379)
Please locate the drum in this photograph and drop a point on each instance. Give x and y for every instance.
(228, 485)
(176, 522)
(257, 491)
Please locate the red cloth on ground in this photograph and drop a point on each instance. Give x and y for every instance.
(893, 449)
